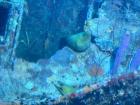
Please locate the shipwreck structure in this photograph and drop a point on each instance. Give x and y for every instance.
(11, 16)
(99, 75)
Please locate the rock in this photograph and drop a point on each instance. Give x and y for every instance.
(64, 56)
(43, 62)
(79, 42)
(45, 73)
(111, 23)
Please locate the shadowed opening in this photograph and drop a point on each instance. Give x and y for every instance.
(4, 12)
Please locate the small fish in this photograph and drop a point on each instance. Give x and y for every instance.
(26, 8)
(64, 89)
(117, 4)
(120, 53)
(88, 24)
(34, 89)
(135, 63)
(2, 48)
(46, 44)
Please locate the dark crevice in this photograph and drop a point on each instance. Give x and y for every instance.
(4, 11)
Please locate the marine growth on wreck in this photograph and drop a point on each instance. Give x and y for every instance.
(69, 52)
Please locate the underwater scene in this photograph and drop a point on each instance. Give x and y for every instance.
(69, 52)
